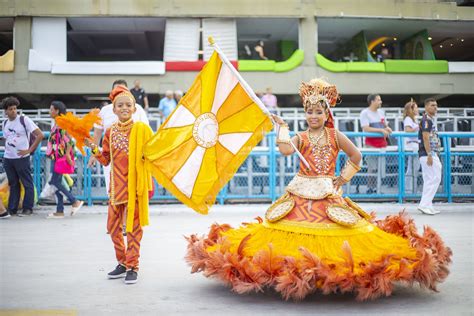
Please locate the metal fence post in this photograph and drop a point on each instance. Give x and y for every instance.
(88, 178)
(272, 166)
(36, 171)
(401, 169)
(447, 162)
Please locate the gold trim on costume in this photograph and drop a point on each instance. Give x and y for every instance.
(349, 171)
(343, 215)
(327, 229)
(125, 94)
(280, 208)
(283, 134)
(315, 140)
(336, 140)
(116, 127)
(312, 187)
(124, 126)
(300, 141)
(112, 182)
(359, 210)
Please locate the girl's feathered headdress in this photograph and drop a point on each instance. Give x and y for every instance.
(318, 91)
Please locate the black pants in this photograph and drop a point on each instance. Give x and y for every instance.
(19, 170)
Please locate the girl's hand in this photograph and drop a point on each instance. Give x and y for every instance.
(278, 119)
(338, 182)
(69, 160)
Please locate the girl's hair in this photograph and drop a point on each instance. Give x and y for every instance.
(321, 104)
(60, 106)
(408, 110)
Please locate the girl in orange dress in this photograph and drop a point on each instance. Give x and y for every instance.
(314, 239)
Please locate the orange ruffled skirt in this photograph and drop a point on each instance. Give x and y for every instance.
(296, 260)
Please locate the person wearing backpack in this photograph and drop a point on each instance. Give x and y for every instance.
(22, 137)
(60, 150)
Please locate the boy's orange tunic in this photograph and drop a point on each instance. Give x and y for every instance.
(116, 152)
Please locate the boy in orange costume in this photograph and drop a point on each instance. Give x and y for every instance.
(129, 182)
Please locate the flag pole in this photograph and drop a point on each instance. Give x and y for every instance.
(250, 92)
(241, 80)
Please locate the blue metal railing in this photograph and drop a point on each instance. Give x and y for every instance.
(274, 174)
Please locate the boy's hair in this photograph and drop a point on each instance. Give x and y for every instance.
(10, 101)
(371, 98)
(120, 82)
(429, 100)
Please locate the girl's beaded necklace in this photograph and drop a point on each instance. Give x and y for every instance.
(321, 153)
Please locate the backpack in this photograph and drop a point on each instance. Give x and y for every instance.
(31, 137)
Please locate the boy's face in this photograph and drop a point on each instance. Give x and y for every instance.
(124, 108)
(11, 112)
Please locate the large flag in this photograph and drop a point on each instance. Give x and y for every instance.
(208, 136)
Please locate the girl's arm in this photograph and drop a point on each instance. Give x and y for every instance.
(286, 149)
(69, 153)
(347, 146)
(410, 129)
(283, 137)
(354, 155)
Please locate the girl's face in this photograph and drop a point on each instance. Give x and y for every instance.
(415, 110)
(316, 116)
(124, 108)
(53, 112)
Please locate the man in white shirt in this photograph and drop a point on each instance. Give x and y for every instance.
(22, 137)
(372, 120)
(108, 119)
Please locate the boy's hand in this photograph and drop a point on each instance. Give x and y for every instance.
(89, 143)
(92, 161)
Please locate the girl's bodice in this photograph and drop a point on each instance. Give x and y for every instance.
(321, 158)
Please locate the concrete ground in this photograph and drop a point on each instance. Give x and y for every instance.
(59, 267)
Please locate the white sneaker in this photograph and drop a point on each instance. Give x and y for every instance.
(425, 210)
(77, 208)
(5, 215)
(435, 211)
(56, 215)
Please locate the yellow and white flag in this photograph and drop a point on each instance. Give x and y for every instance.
(208, 136)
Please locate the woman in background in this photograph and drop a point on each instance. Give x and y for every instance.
(410, 125)
(59, 145)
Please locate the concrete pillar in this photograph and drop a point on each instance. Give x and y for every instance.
(21, 45)
(308, 39)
